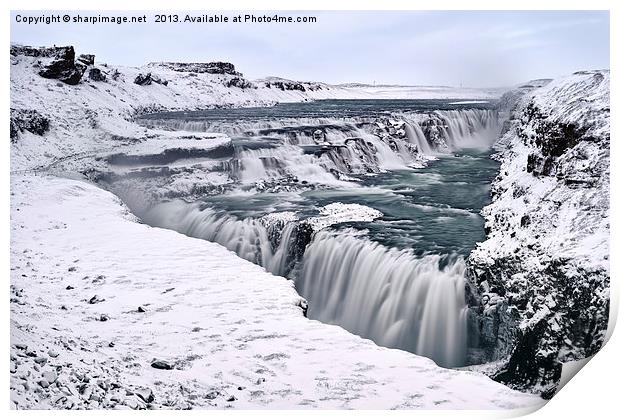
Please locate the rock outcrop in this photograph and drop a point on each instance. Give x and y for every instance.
(63, 66)
(95, 74)
(216, 67)
(27, 120)
(240, 83)
(149, 78)
(542, 275)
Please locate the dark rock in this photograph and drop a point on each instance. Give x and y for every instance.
(145, 394)
(211, 395)
(27, 120)
(161, 364)
(62, 53)
(95, 299)
(231, 398)
(141, 309)
(535, 319)
(96, 75)
(525, 220)
(217, 67)
(303, 304)
(103, 317)
(69, 287)
(64, 67)
(116, 74)
(41, 360)
(285, 85)
(149, 78)
(528, 366)
(143, 79)
(86, 59)
(239, 82)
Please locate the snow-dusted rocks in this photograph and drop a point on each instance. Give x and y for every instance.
(216, 67)
(234, 335)
(27, 120)
(335, 213)
(543, 272)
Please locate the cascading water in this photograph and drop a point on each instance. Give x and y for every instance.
(389, 296)
(415, 302)
(470, 128)
(416, 136)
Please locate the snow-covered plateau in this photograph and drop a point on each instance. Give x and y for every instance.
(109, 312)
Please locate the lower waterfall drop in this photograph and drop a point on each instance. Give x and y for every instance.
(389, 296)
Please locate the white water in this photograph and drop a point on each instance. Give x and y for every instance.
(471, 128)
(416, 136)
(389, 296)
(274, 163)
(247, 238)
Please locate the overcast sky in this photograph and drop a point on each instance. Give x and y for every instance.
(472, 48)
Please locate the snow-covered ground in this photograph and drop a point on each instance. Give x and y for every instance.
(97, 299)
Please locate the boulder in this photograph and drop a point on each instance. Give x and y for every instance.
(161, 364)
(145, 394)
(96, 75)
(86, 59)
(27, 120)
(149, 78)
(64, 67)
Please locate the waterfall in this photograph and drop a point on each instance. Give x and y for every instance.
(389, 296)
(416, 136)
(471, 128)
(249, 238)
(284, 161)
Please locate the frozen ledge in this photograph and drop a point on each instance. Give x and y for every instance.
(232, 334)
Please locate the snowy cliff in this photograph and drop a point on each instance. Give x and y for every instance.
(542, 275)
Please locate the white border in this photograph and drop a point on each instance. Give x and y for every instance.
(592, 394)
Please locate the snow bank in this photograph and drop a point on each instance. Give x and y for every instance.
(107, 312)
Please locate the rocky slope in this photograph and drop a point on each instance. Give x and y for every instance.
(542, 275)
